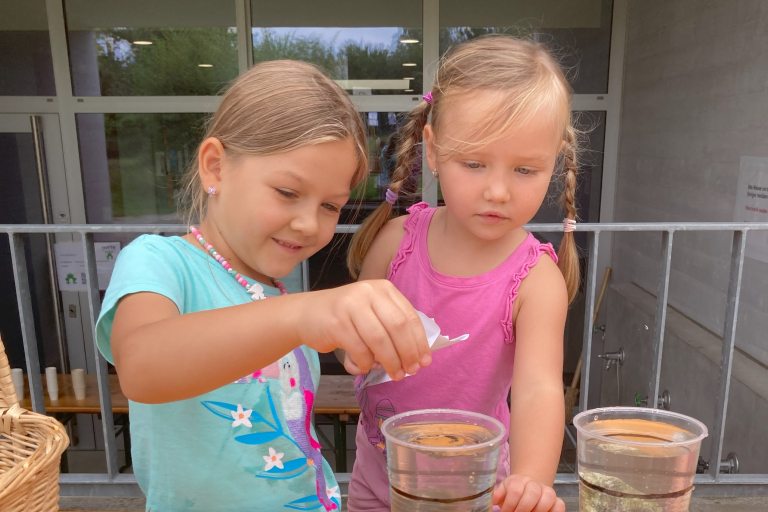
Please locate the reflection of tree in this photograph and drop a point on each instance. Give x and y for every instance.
(147, 156)
(454, 35)
(169, 66)
(268, 45)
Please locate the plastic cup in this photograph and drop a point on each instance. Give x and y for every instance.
(52, 379)
(17, 375)
(442, 460)
(78, 383)
(636, 459)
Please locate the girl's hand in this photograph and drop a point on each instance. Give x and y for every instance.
(351, 366)
(371, 321)
(521, 493)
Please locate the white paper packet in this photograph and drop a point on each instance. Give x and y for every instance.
(436, 342)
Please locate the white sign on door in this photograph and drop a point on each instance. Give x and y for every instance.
(752, 203)
(70, 265)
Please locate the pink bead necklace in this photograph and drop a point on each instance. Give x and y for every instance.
(255, 290)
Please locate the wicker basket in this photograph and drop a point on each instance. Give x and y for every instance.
(31, 445)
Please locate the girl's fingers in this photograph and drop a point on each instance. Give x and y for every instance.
(415, 327)
(546, 501)
(511, 492)
(400, 330)
(559, 506)
(529, 499)
(376, 338)
(357, 350)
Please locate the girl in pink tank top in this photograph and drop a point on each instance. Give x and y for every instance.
(500, 132)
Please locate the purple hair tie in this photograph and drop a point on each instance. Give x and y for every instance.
(428, 97)
(391, 196)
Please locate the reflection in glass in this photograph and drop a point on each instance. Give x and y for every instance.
(133, 165)
(26, 68)
(368, 47)
(145, 48)
(578, 32)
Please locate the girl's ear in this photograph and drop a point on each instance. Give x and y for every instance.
(210, 158)
(429, 145)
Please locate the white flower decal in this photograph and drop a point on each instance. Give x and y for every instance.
(273, 459)
(333, 492)
(241, 417)
(256, 291)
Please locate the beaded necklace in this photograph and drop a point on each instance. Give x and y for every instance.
(255, 290)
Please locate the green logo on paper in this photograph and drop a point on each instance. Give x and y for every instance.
(71, 279)
(109, 256)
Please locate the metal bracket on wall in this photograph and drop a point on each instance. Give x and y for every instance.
(729, 465)
(664, 401)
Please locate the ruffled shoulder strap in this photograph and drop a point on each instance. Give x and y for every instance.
(535, 251)
(408, 244)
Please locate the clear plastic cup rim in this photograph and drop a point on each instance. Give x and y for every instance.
(466, 414)
(644, 411)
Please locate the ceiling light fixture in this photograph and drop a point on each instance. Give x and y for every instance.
(409, 90)
(409, 41)
(409, 64)
(205, 65)
(142, 42)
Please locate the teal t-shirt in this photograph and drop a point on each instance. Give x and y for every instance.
(249, 446)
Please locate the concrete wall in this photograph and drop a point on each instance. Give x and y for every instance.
(689, 371)
(695, 100)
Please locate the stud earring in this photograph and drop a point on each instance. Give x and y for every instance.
(211, 191)
(434, 173)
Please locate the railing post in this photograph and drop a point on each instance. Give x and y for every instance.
(102, 373)
(305, 275)
(662, 297)
(589, 308)
(27, 320)
(729, 341)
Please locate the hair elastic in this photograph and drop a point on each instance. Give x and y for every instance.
(569, 225)
(428, 97)
(391, 196)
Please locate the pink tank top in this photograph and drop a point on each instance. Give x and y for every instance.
(472, 375)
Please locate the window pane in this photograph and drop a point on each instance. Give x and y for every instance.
(150, 48)
(26, 68)
(578, 31)
(589, 181)
(383, 128)
(369, 47)
(133, 165)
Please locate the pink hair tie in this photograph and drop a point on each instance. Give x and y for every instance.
(569, 225)
(428, 97)
(391, 196)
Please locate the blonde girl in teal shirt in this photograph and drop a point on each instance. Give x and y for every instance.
(221, 365)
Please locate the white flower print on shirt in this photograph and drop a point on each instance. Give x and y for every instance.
(333, 492)
(273, 459)
(241, 417)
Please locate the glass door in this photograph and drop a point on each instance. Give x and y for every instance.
(25, 199)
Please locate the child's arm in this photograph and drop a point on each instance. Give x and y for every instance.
(163, 356)
(376, 266)
(537, 415)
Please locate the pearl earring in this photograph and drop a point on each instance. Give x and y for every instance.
(434, 173)
(211, 191)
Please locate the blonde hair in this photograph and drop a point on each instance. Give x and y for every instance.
(274, 107)
(525, 80)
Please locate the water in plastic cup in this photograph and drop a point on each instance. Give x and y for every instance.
(442, 460)
(635, 459)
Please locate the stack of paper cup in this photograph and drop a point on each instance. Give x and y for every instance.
(78, 383)
(17, 375)
(52, 379)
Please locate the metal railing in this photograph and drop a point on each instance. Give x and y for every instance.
(113, 483)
